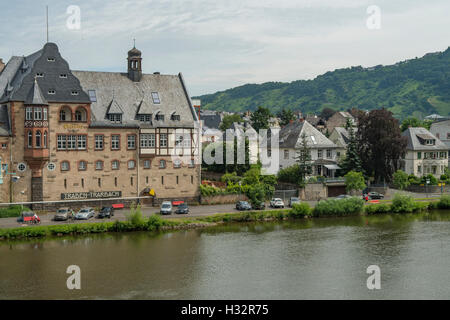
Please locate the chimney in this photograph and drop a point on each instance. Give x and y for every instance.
(2, 65)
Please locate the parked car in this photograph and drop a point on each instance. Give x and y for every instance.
(343, 196)
(276, 203)
(29, 217)
(166, 207)
(243, 205)
(293, 200)
(106, 212)
(373, 195)
(182, 209)
(85, 214)
(258, 206)
(63, 214)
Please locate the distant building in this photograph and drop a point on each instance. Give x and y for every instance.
(425, 153)
(323, 150)
(340, 136)
(441, 129)
(317, 122)
(339, 119)
(434, 117)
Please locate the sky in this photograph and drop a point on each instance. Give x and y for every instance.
(220, 44)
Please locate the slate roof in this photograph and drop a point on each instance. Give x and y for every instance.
(131, 98)
(4, 121)
(35, 95)
(290, 136)
(413, 134)
(211, 120)
(21, 71)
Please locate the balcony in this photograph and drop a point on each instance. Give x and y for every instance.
(36, 154)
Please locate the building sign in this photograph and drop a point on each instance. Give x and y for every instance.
(91, 195)
(73, 126)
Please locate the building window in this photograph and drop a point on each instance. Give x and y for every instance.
(146, 180)
(192, 179)
(82, 182)
(65, 114)
(419, 155)
(146, 164)
(71, 142)
(39, 75)
(115, 117)
(44, 110)
(80, 115)
(74, 92)
(286, 154)
(63, 76)
(4, 145)
(98, 142)
(51, 59)
(82, 165)
(162, 179)
(131, 164)
(29, 113)
(45, 139)
(192, 163)
(159, 117)
(163, 140)
(115, 142)
(30, 139)
(65, 166)
(175, 117)
(162, 164)
(92, 95)
(147, 140)
(115, 165)
(319, 154)
(177, 163)
(131, 141)
(65, 183)
(99, 181)
(81, 142)
(329, 154)
(37, 113)
(51, 91)
(145, 118)
(155, 97)
(115, 181)
(38, 139)
(99, 165)
(51, 166)
(177, 179)
(21, 167)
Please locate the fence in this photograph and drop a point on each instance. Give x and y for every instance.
(285, 194)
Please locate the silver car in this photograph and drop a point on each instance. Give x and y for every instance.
(166, 207)
(63, 214)
(85, 214)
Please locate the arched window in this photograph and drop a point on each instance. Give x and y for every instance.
(65, 114)
(45, 139)
(30, 139)
(80, 114)
(38, 139)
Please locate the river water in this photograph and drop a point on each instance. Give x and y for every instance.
(313, 259)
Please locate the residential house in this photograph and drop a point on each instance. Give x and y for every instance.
(441, 129)
(339, 119)
(425, 153)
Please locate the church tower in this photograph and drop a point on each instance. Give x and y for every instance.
(134, 65)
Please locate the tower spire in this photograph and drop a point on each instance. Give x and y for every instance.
(47, 21)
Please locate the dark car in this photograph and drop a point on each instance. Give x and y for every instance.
(373, 195)
(106, 212)
(182, 209)
(259, 206)
(243, 205)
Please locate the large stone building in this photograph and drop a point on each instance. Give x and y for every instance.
(94, 135)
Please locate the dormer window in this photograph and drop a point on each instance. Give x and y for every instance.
(51, 91)
(159, 117)
(145, 118)
(74, 93)
(430, 142)
(39, 75)
(115, 117)
(92, 95)
(155, 97)
(63, 76)
(51, 59)
(175, 117)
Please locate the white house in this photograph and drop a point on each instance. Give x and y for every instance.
(425, 153)
(441, 129)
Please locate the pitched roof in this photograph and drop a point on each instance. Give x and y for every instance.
(291, 136)
(35, 95)
(132, 98)
(413, 135)
(51, 65)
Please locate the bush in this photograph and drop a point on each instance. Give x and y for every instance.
(433, 180)
(300, 210)
(377, 208)
(444, 202)
(354, 181)
(135, 216)
(12, 211)
(290, 174)
(413, 180)
(402, 203)
(400, 180)
(341, 207)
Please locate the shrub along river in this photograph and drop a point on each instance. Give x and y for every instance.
(324, 258)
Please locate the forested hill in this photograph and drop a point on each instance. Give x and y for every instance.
(417, 87)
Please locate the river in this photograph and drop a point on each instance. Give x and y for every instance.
(323, 258)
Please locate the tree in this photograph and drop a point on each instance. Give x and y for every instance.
(400, 180)
(326, 113)
(354, 181)
(352, 161)
(286, 116)
(228, 120)
(260, 118)
(413, 122)
(380, 144)
(304, 160)
(222, 167)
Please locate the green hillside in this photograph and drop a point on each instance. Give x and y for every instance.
(418, 87)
